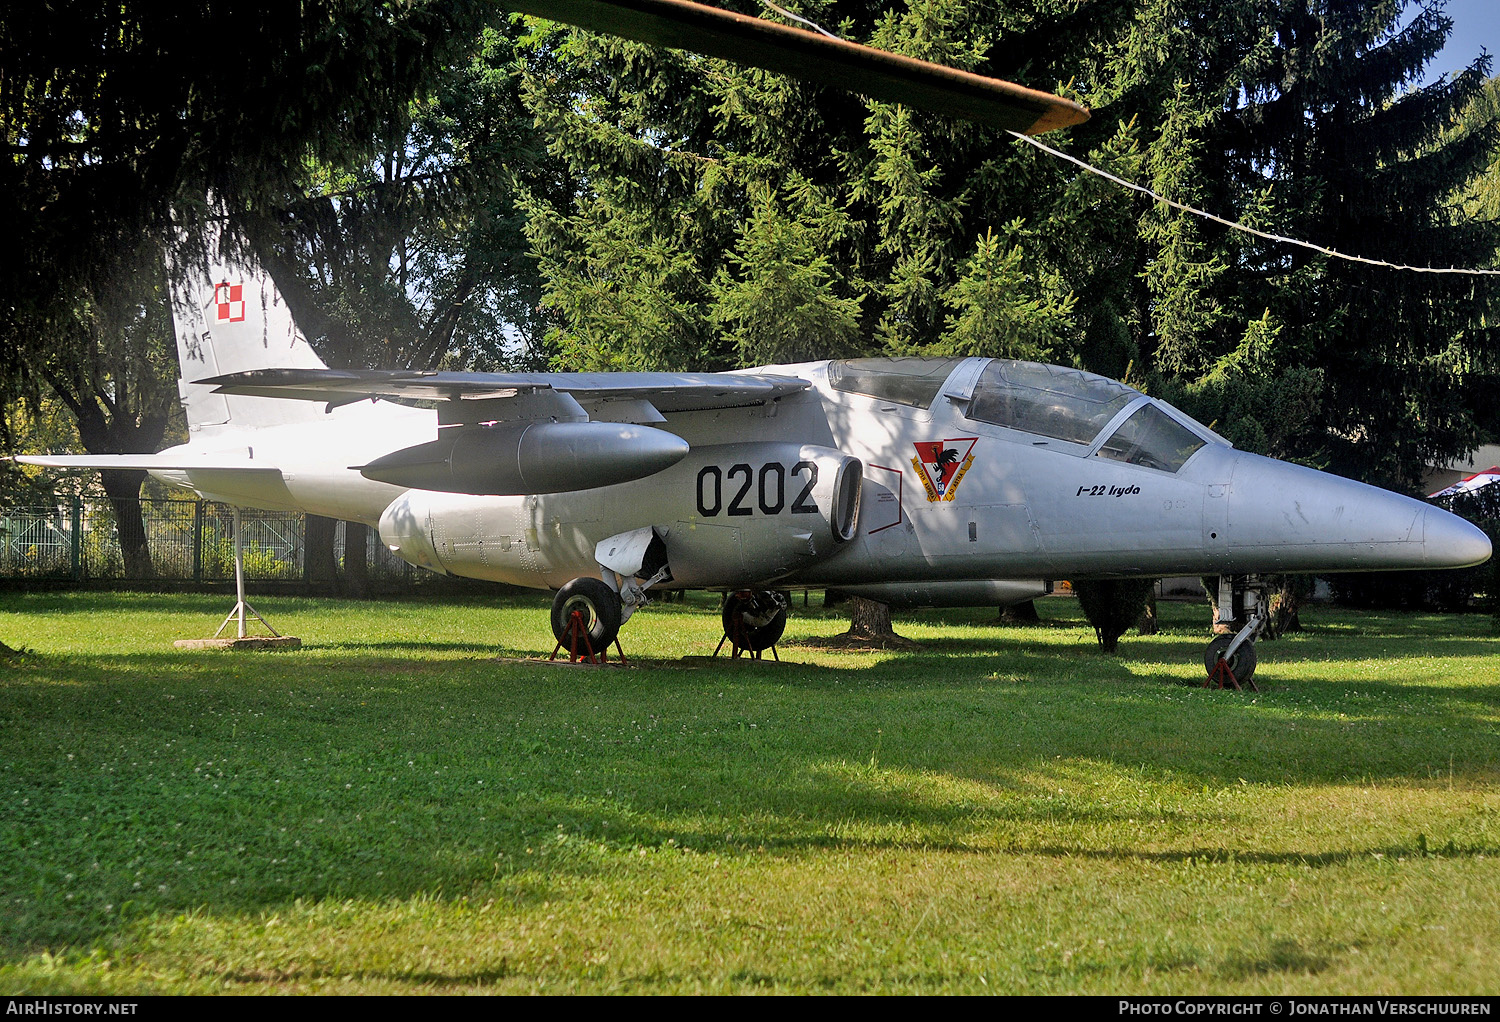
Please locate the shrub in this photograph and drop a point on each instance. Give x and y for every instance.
(1113, 605)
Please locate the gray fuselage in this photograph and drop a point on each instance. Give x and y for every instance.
(1014, 504)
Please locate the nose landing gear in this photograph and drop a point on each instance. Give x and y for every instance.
(1230, 659)
(1228, 669)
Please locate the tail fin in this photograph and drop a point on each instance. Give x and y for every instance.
(230, 321)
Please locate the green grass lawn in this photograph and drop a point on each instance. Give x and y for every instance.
(392, 809)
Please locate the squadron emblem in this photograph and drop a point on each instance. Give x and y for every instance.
(941, 465)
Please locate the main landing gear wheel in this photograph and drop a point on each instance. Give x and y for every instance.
(598, 607)
(1241, 665)
(753, 621)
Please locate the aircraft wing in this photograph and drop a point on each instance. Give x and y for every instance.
(148, 462)
(505, 395)
(822, 59)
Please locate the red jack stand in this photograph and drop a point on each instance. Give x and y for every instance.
(1223, 677)
(578, 636)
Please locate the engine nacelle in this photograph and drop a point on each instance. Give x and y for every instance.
(729, 515)
(762, 510)
(406, 528)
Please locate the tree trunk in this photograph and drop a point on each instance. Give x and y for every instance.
(124, 491)
(869, 620)
(1287, 616)
(356, 568)
(869, 626)
(107, 425)
(318, 564)
(1112, 605)
(1020, 614)
(1147, 623)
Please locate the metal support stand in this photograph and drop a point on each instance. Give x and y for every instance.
(240, 606)
(241, 639)
(580, 647)
(739, 644)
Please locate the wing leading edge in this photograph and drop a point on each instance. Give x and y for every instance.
(667, 392)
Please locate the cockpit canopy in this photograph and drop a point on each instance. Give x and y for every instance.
(1075, 406)
(908, 381)
(1047, 401)
(1050, 401)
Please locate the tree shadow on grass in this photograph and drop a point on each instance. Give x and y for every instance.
(384, 778)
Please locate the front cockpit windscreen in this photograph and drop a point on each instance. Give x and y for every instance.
(1050, 401)
(1151, 438)
(907, 381)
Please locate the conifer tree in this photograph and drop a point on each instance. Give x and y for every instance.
(717, 204)
(1305, 118)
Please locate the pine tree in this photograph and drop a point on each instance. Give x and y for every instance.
(1304, 117)
(998, 309)
(717, 205)
(779, 296)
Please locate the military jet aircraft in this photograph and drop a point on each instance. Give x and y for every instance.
(906, 480)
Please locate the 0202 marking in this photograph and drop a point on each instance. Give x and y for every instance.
(769, 484)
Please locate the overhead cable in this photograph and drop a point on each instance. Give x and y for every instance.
(1183, 207)
(797, 17)
(1267, 235)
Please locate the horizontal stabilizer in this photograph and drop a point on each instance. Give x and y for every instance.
(667, 392)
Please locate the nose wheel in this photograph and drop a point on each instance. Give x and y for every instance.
(1230, 670)
(753, 621)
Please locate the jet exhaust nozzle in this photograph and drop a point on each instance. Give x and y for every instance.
(530, 457)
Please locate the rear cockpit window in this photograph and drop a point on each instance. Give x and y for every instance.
(1050, 401)
(1152, 438)
(907, 381)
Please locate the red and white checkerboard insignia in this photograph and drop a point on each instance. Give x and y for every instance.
(229, 303)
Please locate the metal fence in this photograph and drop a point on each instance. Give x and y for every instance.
(189, 540)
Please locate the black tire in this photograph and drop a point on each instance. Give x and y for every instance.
(754, 620)
(1241, 665)
(599, 605)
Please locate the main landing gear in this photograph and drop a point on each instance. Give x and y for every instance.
(753, 622)
(1230, 658)
(586, 618)
(587, 612)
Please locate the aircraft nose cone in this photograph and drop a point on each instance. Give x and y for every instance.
(1450, 542)
(1285, 517)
